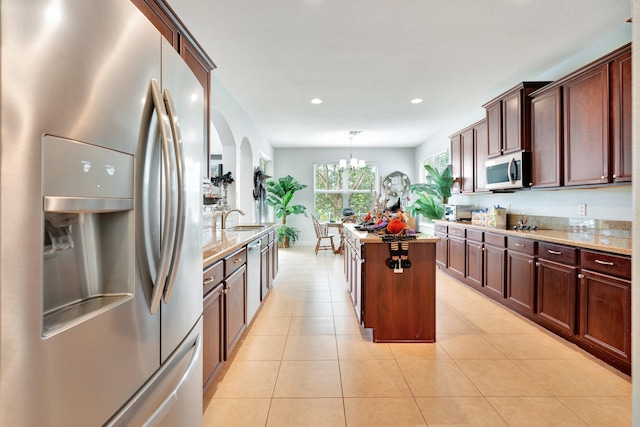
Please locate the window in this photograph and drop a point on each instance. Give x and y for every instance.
(335, 188)
(438, 161)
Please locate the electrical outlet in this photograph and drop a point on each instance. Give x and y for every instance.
(582, 209)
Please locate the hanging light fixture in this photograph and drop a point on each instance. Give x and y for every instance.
(353, 162)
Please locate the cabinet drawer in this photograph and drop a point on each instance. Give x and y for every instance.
(614, 265)
(558, 253)
(495, 239)
(476, 235)
(521, 245)
(440, 228)
(235, 261)
(212, 276)
(457, 231)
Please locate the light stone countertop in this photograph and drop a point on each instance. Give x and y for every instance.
(218, 243)
(592, 240)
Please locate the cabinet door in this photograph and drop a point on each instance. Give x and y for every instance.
(512, 122)
(546, 140)
(466, 142)
(235, 308)
(273, 256)
(621, 117)
(265, 272)
(456, 256)
(521, 282)
(358, 289)
(605, 313)
(494, 129)
(480, 150)
(494, 271)
(212, 336)
(456, 163)
(586, 128)
(475, 263)
(557, 296)
(441, 251)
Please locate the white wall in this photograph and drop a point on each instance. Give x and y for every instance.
(242, 128)
(298, 162)
(604, 203)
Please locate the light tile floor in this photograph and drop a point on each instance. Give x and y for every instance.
(304, 361)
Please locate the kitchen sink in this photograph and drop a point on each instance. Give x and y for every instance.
(246, 227)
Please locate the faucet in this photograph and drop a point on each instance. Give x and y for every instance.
(225, 214)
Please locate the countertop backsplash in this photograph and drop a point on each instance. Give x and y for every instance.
(574, 225)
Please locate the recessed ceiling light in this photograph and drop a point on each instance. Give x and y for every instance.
(316, 101)
(416, 100)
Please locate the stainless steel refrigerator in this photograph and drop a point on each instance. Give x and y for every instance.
(100, 223)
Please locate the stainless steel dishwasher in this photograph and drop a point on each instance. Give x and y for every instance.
(253, 279)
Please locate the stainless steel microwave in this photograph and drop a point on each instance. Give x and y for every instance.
(510, 171)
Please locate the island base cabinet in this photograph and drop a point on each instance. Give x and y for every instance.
(605, 323)
(400, 307)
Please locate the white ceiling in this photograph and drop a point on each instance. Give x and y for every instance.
(366, 59)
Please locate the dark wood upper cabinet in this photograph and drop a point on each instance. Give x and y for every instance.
(586, 132)
(456, 163)
(494, 128)
(546, 138)
(480, 149)
(581, 125)
(620, 91)
(509, 120)
(468, 153)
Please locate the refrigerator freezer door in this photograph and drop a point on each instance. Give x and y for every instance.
(78, 70)
(184, 307)
(173, 397)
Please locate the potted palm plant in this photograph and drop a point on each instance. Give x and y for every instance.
(279, 197)
(432, 195)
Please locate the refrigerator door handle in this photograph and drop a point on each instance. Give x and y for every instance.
(145, 244)
(170, 400)
(180, 220)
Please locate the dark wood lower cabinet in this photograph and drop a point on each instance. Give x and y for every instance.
(475, 263)
(557, 296)
(605, 307)
(494, 271)
(235, 290)
(521, 273)
(580, 294)
(441, 250)
(456, 256)
(213, 336)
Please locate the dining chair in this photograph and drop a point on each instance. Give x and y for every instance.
(322, 232)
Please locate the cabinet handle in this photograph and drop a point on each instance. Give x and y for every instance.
(538, 264)
(530, 261)
(614, 176)
(519, 245)
(208, 280)
(602, 177)
(580, 276)
(604, 262)
(237, 260)
(531, 184)
(555, 252)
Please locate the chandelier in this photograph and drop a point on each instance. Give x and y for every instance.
(353, 162)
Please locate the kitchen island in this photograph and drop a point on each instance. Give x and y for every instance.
(396, 301)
